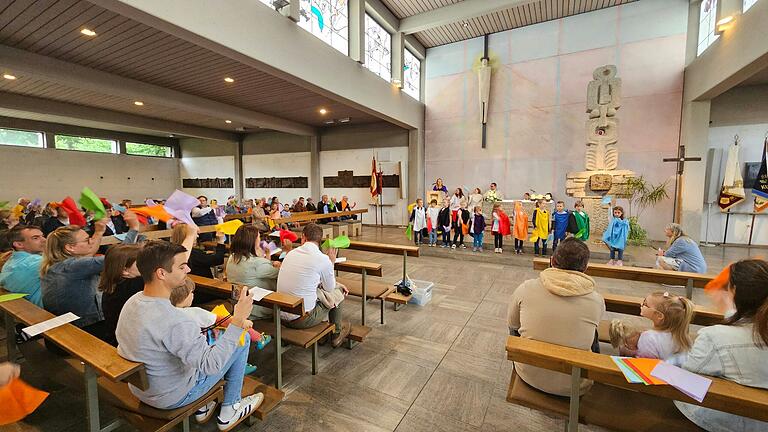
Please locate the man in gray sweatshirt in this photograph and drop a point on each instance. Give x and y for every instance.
(181, 367)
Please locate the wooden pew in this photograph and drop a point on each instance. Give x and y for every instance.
(360, 289)
(641, 274)
(391, 249)
(104, 369)
(647, 407)
(154, 235)
(629, 305)
(304, 338)
(313, 217)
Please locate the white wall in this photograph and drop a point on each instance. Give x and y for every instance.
(359, 161)
(277, 165)
(752, 137)
(51, 175)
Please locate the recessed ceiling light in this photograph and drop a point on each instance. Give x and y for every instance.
(345, 120)
(227, 121)
(465, 24)
(229, 80)
(323, 111)
(329, 122)
(9, 76)
(138, 103)
(88, 32)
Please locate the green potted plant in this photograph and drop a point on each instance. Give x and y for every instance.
(642, 194)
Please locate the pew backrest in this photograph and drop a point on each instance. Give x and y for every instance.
(629, 305)
(384, 248)
(155, 234)
(286, 302)
(318, 216)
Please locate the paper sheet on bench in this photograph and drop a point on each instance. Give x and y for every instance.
(629, 374)
(340, 259)
(259, 293)
(693, 385)
(52, 323)
(11, 296)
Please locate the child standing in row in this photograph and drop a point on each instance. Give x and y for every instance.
(500, 228)
(432, 213)
(419, 221)
(444, 223)
(520, 231)
(477, 229)
(559, 224)
(540, 228)
(578, 222)
(459, 225)
(615, 236)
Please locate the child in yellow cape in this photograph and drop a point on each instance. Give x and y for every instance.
(540, 228)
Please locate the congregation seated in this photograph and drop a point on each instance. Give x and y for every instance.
(325, 206)
(562, 307)
(345, 206)
(7, 219)
(310, 205)
(21, 272)
(60, 219)
(683, 254)
(181, 366)
(70, 273)
(736, 350)
(200, 262)
(299, 206)
(118, 282)
(305, 271)
(203, 215)
(249, 264)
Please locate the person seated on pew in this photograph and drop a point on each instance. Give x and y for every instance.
(7, 219)
(70, 273)
(6, 250)
(21, 273)
(200, 262)
(203, 215)
(325, 206)
(248, 263)
(181, 367)
(562, 307)
(310, 205)
(736, 350)
(304, 271)
(345, 207)
(299, 206)
(683, 254)
(61, 219)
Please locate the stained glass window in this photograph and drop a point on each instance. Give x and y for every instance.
(326, 19)
(748, 4)
(707, 20)
(378, 49)
(411, 74)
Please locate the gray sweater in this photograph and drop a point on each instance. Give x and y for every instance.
(171, 346)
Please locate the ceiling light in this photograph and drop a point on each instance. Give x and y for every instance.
(323, 111)
(9, 76)
(88, 32)
(344, 120)
(229, 80)
(227, 121)
(138, 103)
(725, 23)
(329, 122)
(465, 24)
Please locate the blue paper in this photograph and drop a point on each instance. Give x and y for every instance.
(629, 374)
(607, 199)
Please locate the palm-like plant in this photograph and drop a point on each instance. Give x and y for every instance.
(642, 194)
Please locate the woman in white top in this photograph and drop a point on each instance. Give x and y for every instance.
(737, 350)
(455, 204)
(249, 264)
(475, 199)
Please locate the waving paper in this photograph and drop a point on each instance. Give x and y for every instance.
(74, 214)
(340, 242)
(18, 400)
(179, 205)
(230, 227)
(89, 201)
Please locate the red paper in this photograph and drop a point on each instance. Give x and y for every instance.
(73, 212)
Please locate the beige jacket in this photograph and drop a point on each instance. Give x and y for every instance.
(560, 307)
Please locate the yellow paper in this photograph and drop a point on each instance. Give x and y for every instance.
(230, 227)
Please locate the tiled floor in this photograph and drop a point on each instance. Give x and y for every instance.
(440, 367)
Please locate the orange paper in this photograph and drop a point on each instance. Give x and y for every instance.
(18, 400)
(155, 212)
(643, 367)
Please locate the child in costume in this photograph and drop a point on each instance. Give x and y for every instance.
(559, 224)
(669, 340)
(615, 236)
(520, 230)
(459, 225)
(419, 220)
(444, 223)
(500, 228)
(432, 213)
(477, 229)
(578, 222)
(540, 228)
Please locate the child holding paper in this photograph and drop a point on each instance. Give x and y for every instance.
(615, 236)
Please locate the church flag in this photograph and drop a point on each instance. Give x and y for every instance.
(760, 188)
(374, 179)
(732, 192)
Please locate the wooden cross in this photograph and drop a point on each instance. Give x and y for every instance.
(681, 160)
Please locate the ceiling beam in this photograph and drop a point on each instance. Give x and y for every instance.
(87, 115)
(455, 13)
(72, 75)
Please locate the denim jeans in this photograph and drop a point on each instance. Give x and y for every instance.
(233, 372)
(555, 242)
(620, 252)
(417, 236)
(433, 237)
(543, 245)
(446, 237)
(477, 241)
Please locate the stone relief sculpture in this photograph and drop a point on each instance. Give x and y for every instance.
(603, 101)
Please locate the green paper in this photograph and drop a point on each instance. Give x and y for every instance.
(340, 242)
(409, 232)
(89, 201)
(9, 297)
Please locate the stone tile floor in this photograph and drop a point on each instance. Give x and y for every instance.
(438, 367)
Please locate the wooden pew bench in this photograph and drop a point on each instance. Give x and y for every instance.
(359, 288)
(314, 217)
(641, 274)
(154, 235)
(645, 408)
(105, 372)
(391, 249)
(304, 338)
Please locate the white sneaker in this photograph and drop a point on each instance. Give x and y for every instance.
(611, 262)
(619, 263)
(243, 409)
(453, 246)
(205, 413)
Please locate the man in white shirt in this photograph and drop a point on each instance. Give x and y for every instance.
(304, 270)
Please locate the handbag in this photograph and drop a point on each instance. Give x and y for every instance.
(330, 299)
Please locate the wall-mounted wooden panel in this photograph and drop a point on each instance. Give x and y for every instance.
(346, 179)
(277, 182)
(211, 183)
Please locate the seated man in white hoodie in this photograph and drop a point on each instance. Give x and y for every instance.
(561, 307)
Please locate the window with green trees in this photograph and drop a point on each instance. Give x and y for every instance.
(67, 142)
(139, 149)
(21, 138)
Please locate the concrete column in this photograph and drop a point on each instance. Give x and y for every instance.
(292, 11)
(239, 180)
(695, 137)
(397, 57)
(357, 30)
(415, 164)
(315, 181)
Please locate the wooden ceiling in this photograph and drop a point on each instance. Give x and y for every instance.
(129, 49)
(532, 13)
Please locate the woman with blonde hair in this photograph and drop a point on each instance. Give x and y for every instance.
(683, 253)
(69, 274)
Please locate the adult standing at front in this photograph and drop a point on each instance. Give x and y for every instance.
(493, 194)
(439, 186)
(475, 199)
(306, 270)
(683, 254)
(737, 350)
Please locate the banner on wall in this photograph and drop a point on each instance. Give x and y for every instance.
(732, 191)
(760, 188)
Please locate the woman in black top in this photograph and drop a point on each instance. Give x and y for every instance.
(199, 261)
(120, 280)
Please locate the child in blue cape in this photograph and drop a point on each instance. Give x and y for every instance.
(615, 236)
(559, 224)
